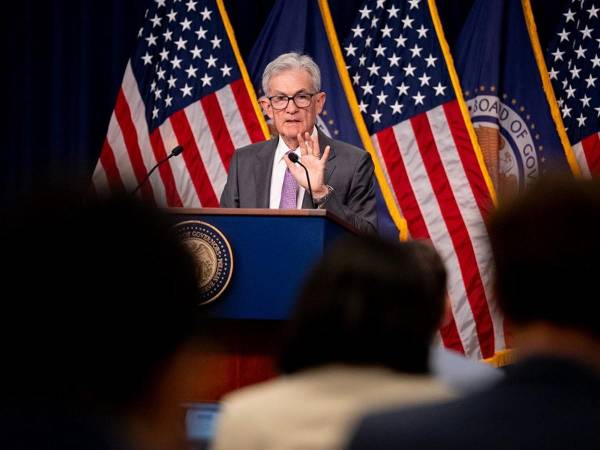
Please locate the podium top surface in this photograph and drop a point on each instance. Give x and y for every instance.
(265, 212)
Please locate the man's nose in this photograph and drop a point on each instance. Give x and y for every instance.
(291, 107)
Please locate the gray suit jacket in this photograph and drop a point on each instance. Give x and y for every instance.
(349, 171)
(543, 403)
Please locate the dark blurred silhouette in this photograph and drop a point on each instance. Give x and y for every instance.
(546, 247)
(368, 302)
(98, 318)
(358, 339)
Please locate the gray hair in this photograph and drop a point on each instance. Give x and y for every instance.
(292, 61)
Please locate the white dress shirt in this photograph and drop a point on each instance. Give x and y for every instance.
(279, 172)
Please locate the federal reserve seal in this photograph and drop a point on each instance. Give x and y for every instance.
(212, 254)
(509, 142)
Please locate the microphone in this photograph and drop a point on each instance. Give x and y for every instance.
(176, 151)
(294, 158)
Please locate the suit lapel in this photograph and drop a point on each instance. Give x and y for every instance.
(324, 141)
(263, 170)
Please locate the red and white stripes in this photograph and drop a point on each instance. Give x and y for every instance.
(587, 153)
(209, 130)
(439, 187)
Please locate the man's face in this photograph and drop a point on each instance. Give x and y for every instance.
(293, 120)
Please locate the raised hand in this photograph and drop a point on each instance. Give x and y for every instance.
(314, 161)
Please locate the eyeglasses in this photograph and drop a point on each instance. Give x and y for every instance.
(301, 100)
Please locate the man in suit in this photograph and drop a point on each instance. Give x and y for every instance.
(263, 176)
(546, 246)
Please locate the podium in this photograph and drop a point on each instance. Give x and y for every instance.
(272, 253)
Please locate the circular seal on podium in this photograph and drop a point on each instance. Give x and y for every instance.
(212, 254)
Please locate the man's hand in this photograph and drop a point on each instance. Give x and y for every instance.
(310, 156)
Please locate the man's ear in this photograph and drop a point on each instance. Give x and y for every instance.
(266, 106)
(447, 315)
(320, 102)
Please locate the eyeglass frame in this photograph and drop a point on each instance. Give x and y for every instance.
(292, 98)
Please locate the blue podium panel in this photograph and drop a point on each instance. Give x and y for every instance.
(273, 252)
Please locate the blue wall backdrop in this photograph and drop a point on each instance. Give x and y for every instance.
(62, 66)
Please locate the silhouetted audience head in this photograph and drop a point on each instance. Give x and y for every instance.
(546, 245)
(97, 298)
(368, 302)
(546, 248)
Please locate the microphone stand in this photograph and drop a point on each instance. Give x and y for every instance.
(176, 151)
(294, 158)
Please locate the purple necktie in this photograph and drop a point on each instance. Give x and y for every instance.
(289, 191)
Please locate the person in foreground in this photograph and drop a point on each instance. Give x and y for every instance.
(98, 327)
(546, 246)
(358, 339)
(262, 176)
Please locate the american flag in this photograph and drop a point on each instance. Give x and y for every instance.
(185, 85)
(420, 135)
(573, 58)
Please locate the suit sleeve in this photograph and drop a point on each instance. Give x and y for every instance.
(230, 198)
(359, 209)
